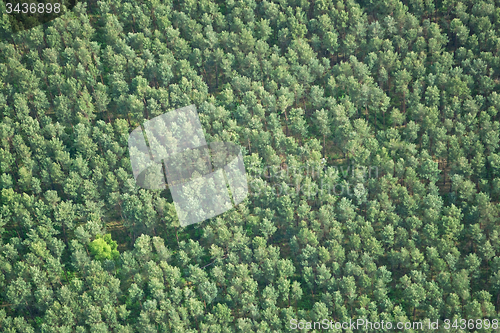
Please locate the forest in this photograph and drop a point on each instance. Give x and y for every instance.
(370, 136)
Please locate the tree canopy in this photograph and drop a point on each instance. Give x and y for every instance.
(370, 134)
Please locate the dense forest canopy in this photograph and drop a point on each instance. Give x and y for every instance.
(370, 134)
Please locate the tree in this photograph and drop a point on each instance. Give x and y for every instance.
(104, 248)
(402, 81)
(323, 123)
(298, 123)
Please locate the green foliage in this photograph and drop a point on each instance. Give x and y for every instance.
(370, 134)
(103, 248)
